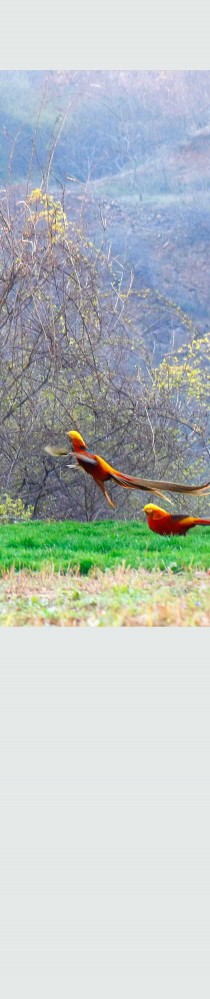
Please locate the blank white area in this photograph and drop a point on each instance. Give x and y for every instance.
(104, 783)
(150, 35)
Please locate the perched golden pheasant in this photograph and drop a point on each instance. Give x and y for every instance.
(101, 472)
(163, 522)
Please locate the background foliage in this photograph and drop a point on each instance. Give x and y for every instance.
(87, 340)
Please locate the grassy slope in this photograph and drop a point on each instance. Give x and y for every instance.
(104, 545)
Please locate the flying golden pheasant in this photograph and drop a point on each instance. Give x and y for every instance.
(101, 471)
(163, 522)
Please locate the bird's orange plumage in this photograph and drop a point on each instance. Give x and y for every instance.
(163, 522)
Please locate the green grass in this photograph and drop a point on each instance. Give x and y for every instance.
(70, 545)
(109, 573)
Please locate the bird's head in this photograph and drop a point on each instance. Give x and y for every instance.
(152, 508)
(76, 439)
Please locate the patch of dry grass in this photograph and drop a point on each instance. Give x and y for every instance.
(125, 597)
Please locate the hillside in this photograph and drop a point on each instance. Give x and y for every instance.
(114, 120)
(137, 145)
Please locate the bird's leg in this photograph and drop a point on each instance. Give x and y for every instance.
(109, 501)
(106, 494)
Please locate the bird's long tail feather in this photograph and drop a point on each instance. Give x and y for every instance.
(202, 521)
(157, 485)
(136, 485)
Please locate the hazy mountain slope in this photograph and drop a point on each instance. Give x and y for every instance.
(114, 119)
(140, 143)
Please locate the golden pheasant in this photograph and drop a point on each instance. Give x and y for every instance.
(101, 472)
(163, 522)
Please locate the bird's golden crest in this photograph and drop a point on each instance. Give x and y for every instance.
(151, 508)
(76, 438)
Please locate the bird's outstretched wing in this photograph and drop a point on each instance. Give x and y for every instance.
(56, 451)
